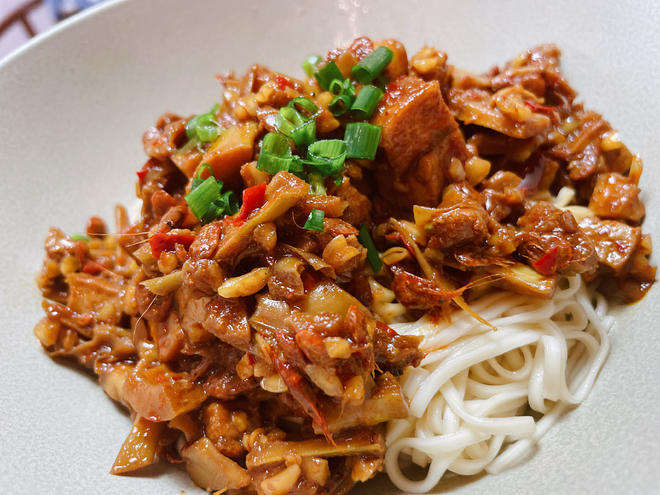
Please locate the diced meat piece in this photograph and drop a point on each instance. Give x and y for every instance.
(428, 63)
(508, 115)
(417, 292)
(585, 164)
(94, 294)
(344, 254)
(160, 394)
(170, 338)
(227, 320)
(227, 385)
(165, 137)
(332, 206)
(616, 196)
(225, 425)
(552, 241)
(414, 118)
(615, 242)
(58, 245)
(152, 307)
(358, 207)
(206, 241)
(394, 351)
(419, 137)
(464, 222)
(286, 282)
(204, 274)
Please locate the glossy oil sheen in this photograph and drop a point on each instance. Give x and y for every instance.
(74, 104)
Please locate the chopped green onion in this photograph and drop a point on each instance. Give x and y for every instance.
(305, 134)
(326, 74)
(305, 104)
(271, 164)
(80, 237)
(276, 155)
(336, 86)
(203, 127)
(225, 204)
(310, 64)
(315, 220)
(362, 140)
(340, 104)
(316, 181)
(206, 199)
(292, 124)
(366, 101)
(276, 144)
(327, 156)
(197, 180)
(367, 69)
(372, 253)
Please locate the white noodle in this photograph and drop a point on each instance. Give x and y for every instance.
(469, 397)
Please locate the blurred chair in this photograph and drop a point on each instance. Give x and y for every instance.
(20, 14)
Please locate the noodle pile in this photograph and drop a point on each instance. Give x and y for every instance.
(470, 398)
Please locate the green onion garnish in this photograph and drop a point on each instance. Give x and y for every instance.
(197, 180)
(208, 202)
(305, 104)
(326, 74)
(366, 101)
(327, 156)
(80, 237)
(316, 181)
(362, 140)
(305, 134)
(340, 104)
(203, 127)
(276, 155)
(367, 69)
(336, 86)
(293, 124)
(372, 253)
(310, 64)
(315, 220)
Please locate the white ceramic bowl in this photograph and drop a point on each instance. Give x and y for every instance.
(73, 105)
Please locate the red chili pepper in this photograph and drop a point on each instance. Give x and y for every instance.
(253, 198)
(142, 173)
(282, 82)
(167, 242)
(546, 264)
(537, 107)
(251, 359)
(93, 268)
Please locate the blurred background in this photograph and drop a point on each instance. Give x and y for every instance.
(20, 20)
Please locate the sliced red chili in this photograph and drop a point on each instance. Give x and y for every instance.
(167, 242)
(547, 263)
(92, 267)
(282, 82)
(253, 198)
(142, 173)
(537, 107)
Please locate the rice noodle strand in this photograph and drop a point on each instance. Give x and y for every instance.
(470, 395)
